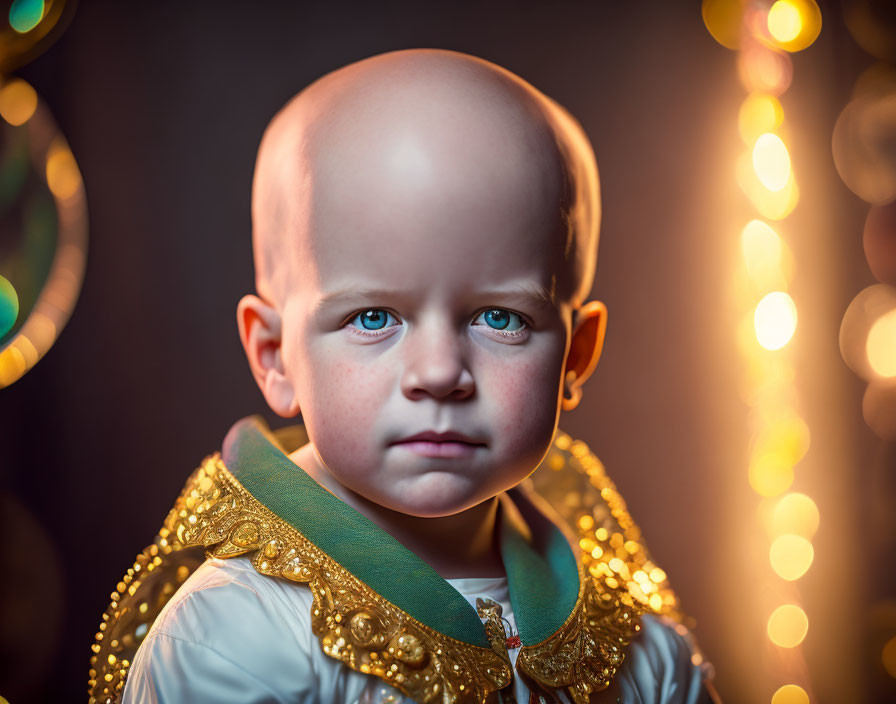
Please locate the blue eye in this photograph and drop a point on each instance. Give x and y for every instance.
(504, 320)
(373, 319)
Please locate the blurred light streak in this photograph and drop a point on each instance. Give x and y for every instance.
(768, 314)
(775, 320)
(771, 161)
(787, 626)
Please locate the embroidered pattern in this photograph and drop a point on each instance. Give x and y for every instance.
(215, 515)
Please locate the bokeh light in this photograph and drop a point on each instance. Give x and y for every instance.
(18, 101)
(764, 256)
(723, 20)
(791, 556)
(764, 70)
(784, 22)
(881, 345)
(759, 113)
(9, 306)
(772, 205)
(879, 408)
(790, 694)
(63, 176)
(794, 24)
(786, 436)
(775, 320)
(862, 145)
(771, 161)
(25, 15)
(787, 626)
(888, 656)
(796, 514)
(770, 474)
(865, 309)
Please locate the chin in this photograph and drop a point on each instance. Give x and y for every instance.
(434, 499)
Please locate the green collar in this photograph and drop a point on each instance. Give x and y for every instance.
(542, 571)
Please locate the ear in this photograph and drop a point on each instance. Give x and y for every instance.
(589, 328)
(260, 329)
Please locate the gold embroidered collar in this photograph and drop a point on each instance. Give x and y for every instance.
(216, 513)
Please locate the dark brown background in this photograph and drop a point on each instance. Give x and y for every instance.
(164, 105)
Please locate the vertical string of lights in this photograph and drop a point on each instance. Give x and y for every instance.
(764, 33)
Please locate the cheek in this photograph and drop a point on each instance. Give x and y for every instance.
(524, 397)
(341, 403)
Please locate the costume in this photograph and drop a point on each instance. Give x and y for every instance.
(297, 565)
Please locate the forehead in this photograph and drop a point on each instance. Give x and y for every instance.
(437, 203)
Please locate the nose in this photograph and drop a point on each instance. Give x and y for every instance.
(435, 365)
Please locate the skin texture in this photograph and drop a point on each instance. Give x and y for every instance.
(430, 194)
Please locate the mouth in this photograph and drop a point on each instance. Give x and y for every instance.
(449, 444)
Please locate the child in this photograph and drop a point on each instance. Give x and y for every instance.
(425, 231)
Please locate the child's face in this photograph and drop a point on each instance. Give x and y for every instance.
(419, 334)
(423, 305)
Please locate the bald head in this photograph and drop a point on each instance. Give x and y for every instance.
(441, 139)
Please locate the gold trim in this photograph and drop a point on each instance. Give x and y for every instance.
(353, 623)
(217, 516)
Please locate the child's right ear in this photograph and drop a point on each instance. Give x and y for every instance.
(260, 329)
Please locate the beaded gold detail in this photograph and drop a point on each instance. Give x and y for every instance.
(215, 515)
(353, 623)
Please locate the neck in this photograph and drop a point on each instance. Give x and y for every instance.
(456, 546)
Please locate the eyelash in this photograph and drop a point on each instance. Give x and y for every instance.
(527, 326)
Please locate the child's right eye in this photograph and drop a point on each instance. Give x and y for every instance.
(373, 319)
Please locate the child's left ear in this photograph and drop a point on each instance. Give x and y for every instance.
(589, 328)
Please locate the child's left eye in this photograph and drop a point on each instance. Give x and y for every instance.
(373, 319)
(501, 320)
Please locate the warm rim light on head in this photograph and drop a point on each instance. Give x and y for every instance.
(775, 320)
(881, 345)
(771, 161)
(788, 625)
(784, 21)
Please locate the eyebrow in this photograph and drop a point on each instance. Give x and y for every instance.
(538, 295)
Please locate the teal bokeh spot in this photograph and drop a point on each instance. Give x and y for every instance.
(9, 306)
(25, 15)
